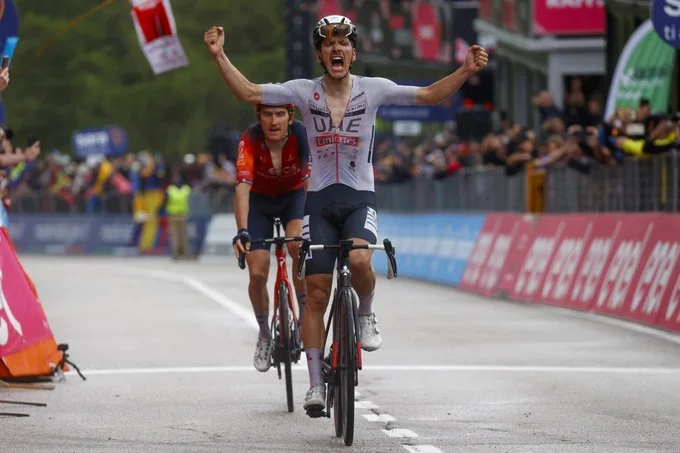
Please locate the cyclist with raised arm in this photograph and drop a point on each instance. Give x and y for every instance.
(272, 174)
(339, 112)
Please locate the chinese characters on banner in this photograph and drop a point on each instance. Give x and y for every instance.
(157, 35)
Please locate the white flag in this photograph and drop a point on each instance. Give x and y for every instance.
(157, 35)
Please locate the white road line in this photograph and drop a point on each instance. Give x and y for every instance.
(399, 432)
(383, 418)
(365, 404)
(245, 313)
(369, 405)
(422, 449)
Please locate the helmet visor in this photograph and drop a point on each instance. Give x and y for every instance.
(335, 31)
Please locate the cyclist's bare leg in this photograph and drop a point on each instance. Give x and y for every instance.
(258, 268)
(363, 276)
(363, 282)
(294, 228)
(318, 293)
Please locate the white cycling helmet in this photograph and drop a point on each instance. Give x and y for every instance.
(334, 25)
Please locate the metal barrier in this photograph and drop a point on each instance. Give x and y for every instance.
(638, 185)
(474, 190)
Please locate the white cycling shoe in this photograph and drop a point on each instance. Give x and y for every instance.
(370, 333)
(315, 398)
(263, 354)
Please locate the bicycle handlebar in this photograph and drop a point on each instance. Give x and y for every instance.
(277, 240)
(307, 246)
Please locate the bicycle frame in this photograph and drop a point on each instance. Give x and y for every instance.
(338, 375)
(282, 273)
(287, 348)
(343, 282)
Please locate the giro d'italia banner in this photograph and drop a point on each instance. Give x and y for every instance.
(643, 71)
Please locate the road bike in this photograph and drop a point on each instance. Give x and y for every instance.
(284, 323)
(341, 372)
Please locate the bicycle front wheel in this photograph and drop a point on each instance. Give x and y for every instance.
(285, 346)
(347, 364)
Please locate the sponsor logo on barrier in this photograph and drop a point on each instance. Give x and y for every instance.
(68, 232)
(563, 269)
(672, 314)
(116, 233)
(501, 248)
(591, 270)
(621, 271)
(655, 277)
(485, 268)
(478, 258)
(535, 266)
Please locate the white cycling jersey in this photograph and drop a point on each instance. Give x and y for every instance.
(342, 154)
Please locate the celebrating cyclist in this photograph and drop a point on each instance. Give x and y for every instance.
(272, 173)
(339, 112)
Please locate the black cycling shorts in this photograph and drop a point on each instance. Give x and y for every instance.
(334, 213)
(264, 209)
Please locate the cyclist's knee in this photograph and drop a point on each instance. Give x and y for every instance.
(318, 292)
(258, 266)
(360, 262)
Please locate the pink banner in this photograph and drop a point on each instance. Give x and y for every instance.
(521, 244)
(603, 233)
(637, 282)
(568, 17)
(556, 258)
(22, 320)
(625, 265)
(483, 271)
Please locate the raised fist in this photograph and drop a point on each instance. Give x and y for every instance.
(476, 58)
(214, 40)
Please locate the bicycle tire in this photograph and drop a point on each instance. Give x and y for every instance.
(285, 346)
(347, 355)
(336, 399)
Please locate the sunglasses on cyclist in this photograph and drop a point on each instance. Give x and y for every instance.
(335, 30)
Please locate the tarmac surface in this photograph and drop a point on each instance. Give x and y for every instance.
(167, 351)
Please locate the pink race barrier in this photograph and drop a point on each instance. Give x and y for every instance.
(623, 265)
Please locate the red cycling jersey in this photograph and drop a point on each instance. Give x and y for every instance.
(254, 163)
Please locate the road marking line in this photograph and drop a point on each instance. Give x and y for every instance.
(400, 432)
(384, 418)
(216, 296)
(422, 449)
(365, 404)
(406, 368)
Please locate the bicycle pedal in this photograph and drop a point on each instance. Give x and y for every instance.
(315, 412)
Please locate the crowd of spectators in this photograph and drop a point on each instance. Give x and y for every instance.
(576, 135)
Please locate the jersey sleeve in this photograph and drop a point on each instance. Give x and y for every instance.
(290, 92)
(303, 150)
(389, 92)
(244, 161)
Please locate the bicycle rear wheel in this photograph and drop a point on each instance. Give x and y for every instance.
(285, 346)
(347, 364)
